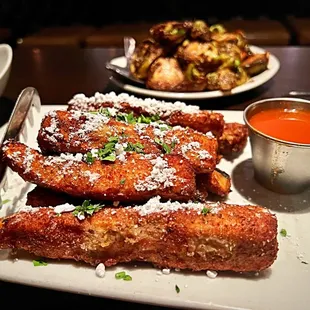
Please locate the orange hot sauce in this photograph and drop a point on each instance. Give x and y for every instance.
(284, 124)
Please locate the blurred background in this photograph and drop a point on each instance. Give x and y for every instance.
(104, 23)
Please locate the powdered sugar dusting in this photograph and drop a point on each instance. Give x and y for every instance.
(149, 105)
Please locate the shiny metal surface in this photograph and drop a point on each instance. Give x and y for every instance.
(279, 166)
(28, 99)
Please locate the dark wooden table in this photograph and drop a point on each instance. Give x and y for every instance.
(60, 73)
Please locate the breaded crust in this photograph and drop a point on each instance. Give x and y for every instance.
(204, 121)
(216, 182)
(79, 132)
(229, 237)
(137, 178)
(233, 139)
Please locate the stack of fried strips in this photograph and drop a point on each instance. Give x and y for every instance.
(120, 185)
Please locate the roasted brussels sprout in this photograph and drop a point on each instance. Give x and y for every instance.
(255, 64)
(165, 74)
(204, 55)
(144, 55)
(170, 33)
(200, 31)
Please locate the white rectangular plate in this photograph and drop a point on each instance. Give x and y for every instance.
(284, 286)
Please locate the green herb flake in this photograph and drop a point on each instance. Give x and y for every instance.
(39, 262)
(283, 232)
(3, 202)
(205, 210)
(86, 209)
(304, 262)
(166, 148)
(177, 289)
(134, 147)
(123, 275)
(122, 181)
(89, 158)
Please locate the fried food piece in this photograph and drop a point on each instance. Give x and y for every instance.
(172, 113)
(165, 73)
(256, 64)
(200, 31)
(233, 139)
(216, 182)
(43, 197)
(170, 33)
(137, 177)
(204, 55)
(190, 236)
(80, 132)
(144, 55)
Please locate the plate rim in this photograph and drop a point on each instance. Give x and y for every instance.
(254, 82)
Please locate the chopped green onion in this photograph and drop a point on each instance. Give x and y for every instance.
(39, 262)
(283, 232)
(127, 277)
(120, 275)
(177, 289)
(205, 210)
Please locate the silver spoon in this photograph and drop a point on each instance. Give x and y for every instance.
(129, 47)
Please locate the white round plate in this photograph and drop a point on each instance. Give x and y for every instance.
(273, 68)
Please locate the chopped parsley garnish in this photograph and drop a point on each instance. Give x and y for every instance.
(134, 147)
(123, 275)
(39, 262)
(205, 210)
(105, 153)
(283, 232)
(122, 181)
(166, 148)
(87, 208)
(177, 289)
(130, 118)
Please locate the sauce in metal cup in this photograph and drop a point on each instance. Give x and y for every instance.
(280, 143)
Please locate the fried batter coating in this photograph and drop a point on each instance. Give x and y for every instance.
(195, 237)
(203, 121)
(136, 178)
(172, 113)
(44, 197)
(233, 139)
(80, 132)
(216, 182)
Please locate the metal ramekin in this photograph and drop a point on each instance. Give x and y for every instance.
(280, 166)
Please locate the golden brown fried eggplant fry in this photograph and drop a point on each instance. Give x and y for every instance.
(233, 139)
(173, 113)
(44, 197)
(136, 177)
(80, 132)
(216, 182)
(171, 235)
